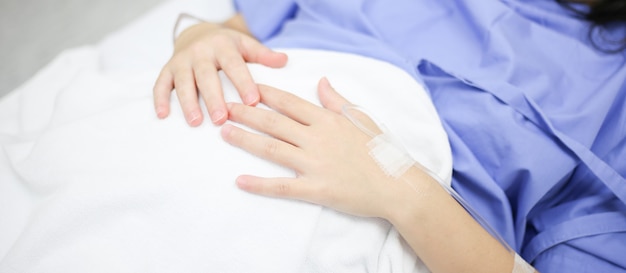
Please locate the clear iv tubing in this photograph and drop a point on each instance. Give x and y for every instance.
(345, 111)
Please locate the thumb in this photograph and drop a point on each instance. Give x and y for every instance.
(333, 101)
(256, 52)
(329, 98)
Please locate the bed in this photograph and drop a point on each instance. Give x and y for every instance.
(92, 181)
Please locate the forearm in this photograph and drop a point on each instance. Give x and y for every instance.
(443, 234)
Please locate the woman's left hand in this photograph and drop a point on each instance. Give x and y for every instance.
(327, 151)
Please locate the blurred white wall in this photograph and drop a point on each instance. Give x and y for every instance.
(33, 32)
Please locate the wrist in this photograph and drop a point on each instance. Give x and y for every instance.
(412, 200)
(238, 23)
(194, 33)
(183, 23)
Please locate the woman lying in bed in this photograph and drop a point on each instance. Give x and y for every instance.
(528, 94)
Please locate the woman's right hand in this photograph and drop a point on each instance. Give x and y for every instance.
(199, 53)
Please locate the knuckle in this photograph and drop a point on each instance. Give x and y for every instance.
(204, 67)
(285, 99)
(220, 38)
(180, 61)
(270, 148)
(282, 189)
(178, 67)
(182, 84)
(270, 120)
(231, 63)
(198, 49)
(186, 90)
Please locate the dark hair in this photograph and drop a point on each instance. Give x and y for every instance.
(602, 14)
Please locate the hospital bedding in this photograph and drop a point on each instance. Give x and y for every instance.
(92, 181)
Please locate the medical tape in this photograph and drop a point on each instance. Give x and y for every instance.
(386, 151)
(390, 157)
(521, 266)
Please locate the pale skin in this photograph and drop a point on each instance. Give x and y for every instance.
(328, 153)
(199, 52)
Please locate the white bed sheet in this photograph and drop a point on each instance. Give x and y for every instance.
(92, 181)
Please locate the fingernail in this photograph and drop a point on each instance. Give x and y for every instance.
(250, 99)
(217, 116)
(242, 182)
(193, 117)
(325, 82)
(160, 112)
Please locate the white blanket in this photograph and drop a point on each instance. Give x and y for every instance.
(92, 181)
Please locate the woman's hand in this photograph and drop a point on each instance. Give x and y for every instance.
(199, 53)
(334, 169)
(327, 151)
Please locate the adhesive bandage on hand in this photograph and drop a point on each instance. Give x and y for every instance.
(389, 156)
(384, 148)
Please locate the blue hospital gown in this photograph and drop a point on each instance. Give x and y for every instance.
(534, 112)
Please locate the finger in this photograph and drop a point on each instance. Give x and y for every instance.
(210, 87)
(265, 147)
(329, 98)
(237, 71)
(268, 122)
(291, 188)
(289, 104)
(255, 52)
(333, 101)
(188, 96)
(161, 93)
